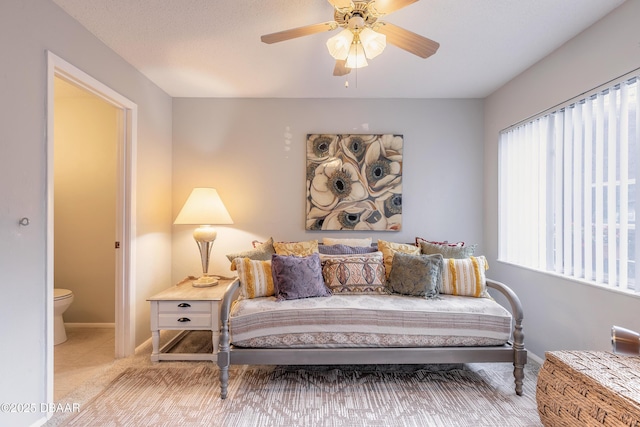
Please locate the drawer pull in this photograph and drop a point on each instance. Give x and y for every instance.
(184, 305)
(184, 319)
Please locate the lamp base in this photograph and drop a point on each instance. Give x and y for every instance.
(205, 282)
(625, 341)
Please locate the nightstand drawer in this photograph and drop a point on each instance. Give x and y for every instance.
(184, 306)
(185, 321)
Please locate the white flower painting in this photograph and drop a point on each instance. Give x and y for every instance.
(354, 182)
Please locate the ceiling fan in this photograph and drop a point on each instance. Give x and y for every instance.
(363, 36)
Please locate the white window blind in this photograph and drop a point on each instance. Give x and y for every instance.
(567, 189)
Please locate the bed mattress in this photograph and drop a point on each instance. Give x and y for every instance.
(369, 321)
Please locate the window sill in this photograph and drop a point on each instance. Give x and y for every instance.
(633, 294)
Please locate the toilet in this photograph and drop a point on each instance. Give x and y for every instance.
(62, 299)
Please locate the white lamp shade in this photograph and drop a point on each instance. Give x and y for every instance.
(373, 43)
(203, 207)
(340, 44)
(356, 58)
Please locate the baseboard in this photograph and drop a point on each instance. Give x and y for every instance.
(535, 358)
(145, 343)
(42, 421)
(163, 336)
(90, 325)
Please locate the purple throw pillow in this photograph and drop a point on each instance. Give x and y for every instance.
(298, 277)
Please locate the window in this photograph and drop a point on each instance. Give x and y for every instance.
(567, 189)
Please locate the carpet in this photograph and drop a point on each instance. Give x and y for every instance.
(457, 395)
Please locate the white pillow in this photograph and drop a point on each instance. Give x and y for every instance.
(347, 242)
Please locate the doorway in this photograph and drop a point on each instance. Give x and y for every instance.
(124, 217)
(85, 141)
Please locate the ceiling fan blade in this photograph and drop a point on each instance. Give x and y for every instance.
(299, 32)
(407, 40)
(385, 7)
(341, 4)
(341, 69)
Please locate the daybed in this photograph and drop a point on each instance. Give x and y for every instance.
(378, 326)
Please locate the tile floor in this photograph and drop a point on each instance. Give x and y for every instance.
(86, 351)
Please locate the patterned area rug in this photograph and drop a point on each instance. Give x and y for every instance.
(452, 395)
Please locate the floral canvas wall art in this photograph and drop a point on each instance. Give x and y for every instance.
(354, 182)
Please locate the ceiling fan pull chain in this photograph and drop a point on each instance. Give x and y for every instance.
(357, 66)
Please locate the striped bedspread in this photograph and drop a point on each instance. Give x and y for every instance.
(369, 321)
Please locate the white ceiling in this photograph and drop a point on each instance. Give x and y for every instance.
(212, 48)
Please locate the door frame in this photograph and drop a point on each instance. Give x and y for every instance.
(125, 207)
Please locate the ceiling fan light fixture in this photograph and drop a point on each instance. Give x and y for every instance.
(356, 58)
(340, 44)
(362, 36)
(373, 42)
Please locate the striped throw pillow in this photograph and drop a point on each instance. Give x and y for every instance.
(255, 278)
(465, 277)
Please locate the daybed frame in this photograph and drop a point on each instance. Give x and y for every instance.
(513, 351)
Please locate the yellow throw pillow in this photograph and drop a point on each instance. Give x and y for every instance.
(255, 278)
(296, 248)
(465, 277)
(388, 249)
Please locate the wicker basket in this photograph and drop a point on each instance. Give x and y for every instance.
(588, 388)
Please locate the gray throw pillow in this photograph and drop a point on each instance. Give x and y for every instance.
(416, 275)
(297, 277)
(447, 251)
(262, 252)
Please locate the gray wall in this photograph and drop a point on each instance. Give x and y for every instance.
(253, 152)
(27, 29)
(560, 313)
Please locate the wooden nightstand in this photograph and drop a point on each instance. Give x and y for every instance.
(186, 308)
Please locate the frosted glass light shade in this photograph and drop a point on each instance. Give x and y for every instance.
(356, 58)
(373, 43)
(340, 44)
(203, 207)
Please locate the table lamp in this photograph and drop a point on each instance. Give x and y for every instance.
(204, 208)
